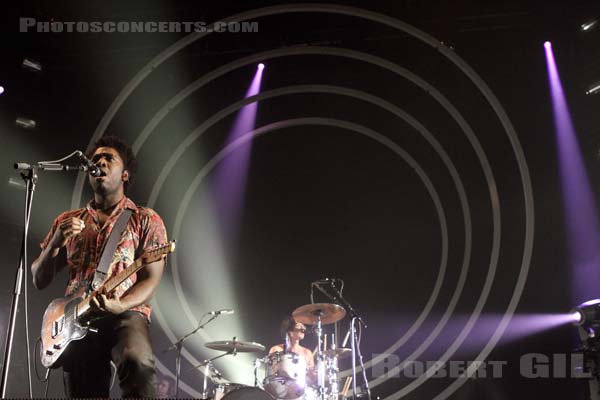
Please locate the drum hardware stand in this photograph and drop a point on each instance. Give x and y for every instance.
(337, 298)
(356, 353)
(320, 356)
(208, 370)
(178, 345)
(333, 370)
(355, 345)
(257, 363)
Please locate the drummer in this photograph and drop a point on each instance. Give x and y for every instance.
(293, 332)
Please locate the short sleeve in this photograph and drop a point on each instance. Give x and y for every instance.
(154, 232)
(49, 235)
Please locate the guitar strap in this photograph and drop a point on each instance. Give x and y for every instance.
(109, 250)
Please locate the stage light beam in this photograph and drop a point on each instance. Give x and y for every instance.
(580, 211)
(232, 173)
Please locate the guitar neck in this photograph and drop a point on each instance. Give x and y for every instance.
(116, 280)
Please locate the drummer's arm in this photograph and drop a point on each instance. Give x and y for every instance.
(275, 349)
(310, 361)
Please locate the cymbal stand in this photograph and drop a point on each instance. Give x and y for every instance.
(332, 370)
(178, 345)
(339, 299)
(208, 370)
(320, 356)
(257, 363)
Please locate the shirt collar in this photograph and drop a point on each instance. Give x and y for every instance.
(125, 202)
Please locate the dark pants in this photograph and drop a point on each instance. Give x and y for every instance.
(125, 340)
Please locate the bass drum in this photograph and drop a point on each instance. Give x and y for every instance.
(247, 393)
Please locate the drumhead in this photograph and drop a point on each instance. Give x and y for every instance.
(248, 393)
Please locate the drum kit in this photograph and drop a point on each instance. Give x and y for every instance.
(285, 372)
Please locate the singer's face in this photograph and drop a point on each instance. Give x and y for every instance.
(110, 163)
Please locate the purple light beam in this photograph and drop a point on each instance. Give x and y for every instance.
(231, 174)
(520, 327)
(580, 211)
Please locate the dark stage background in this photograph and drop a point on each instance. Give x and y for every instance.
(322, 200)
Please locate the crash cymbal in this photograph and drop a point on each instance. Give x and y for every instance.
(235, 345)
(330, 313)
(340, 353)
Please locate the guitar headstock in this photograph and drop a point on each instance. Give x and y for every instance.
(158, 253)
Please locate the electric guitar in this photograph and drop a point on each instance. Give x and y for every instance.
(68, 318)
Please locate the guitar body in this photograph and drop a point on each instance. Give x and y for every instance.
(60, 327)
(67, 319)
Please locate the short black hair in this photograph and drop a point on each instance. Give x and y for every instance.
(287, 325)
(125, 152)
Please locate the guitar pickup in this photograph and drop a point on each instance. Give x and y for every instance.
(57, 326)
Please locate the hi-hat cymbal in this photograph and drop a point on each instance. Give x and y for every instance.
(340, 353)
(308, 314)
(235, 345)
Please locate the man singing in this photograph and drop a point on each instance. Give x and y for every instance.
(77, 239)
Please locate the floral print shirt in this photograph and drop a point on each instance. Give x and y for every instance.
(145, 230)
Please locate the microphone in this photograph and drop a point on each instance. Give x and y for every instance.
(22, 166)
(88, 165)
(225, 311)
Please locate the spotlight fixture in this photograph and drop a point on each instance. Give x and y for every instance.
(587, 314)
(32, 65)
(261, 66)
(593, 89)
(586, 317)
(547, 44)
(1, 89)
(26, 123)
(589, 25)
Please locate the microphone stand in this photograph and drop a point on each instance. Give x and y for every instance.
(29, 175)
(178, 345)
(30, 178)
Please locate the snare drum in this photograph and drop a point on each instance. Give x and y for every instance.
(285, 375)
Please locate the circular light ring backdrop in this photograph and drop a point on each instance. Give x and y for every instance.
(206, 169)
(396, 111)
(484, 89)
(391, 67)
